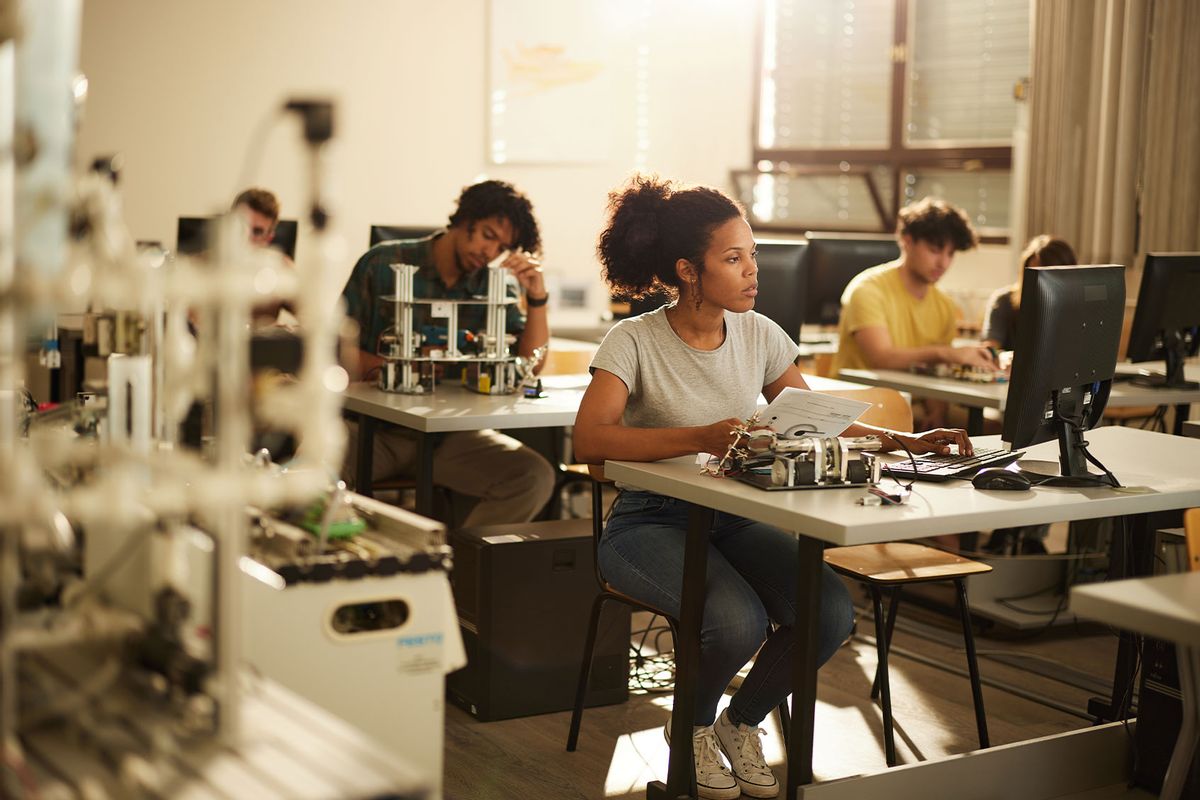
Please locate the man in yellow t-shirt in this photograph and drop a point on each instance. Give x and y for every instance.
(894, 316)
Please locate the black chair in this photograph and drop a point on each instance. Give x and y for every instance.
(607, 592)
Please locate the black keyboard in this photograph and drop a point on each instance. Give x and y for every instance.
(934, 467)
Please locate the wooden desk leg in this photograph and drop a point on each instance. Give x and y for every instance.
(681, 777)
(974, 421)
(365, 461)
(426, 444)
(804, 666)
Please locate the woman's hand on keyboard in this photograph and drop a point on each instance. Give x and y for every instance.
(937, 440)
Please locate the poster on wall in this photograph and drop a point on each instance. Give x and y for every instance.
(552, 80)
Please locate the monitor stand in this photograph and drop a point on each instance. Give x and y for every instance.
(1175, 353)
(1072, 461)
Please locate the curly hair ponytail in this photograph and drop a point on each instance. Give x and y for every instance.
(652, 223)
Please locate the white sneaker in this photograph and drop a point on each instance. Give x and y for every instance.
(742, 745)
(713, 779)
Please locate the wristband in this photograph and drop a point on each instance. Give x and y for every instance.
(537, 302)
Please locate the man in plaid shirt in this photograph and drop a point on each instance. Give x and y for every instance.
(512, 481)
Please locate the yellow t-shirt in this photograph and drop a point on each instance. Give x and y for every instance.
(878, 298)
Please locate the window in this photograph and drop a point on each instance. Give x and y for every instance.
(865, 105)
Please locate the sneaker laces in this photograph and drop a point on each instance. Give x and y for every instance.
(750, 751)
(706, 751)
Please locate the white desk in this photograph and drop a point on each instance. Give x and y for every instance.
(978, 396)
(1166, 607)
(1137, 457)
(452, 407)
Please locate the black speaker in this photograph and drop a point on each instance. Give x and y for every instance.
(524, 595)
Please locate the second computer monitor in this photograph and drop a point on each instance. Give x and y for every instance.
(386, 233)
(1166, 322)
(1068, 333)
(781, 283)
(192, 235)
(831, 261)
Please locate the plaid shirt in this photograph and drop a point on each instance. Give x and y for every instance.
(373, 278)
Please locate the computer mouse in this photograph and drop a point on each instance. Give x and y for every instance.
(1000, 478)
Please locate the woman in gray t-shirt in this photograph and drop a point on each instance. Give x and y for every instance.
(674, 382)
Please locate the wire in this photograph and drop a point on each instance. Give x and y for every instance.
(911, 460)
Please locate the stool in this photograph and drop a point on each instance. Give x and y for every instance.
(893, 566)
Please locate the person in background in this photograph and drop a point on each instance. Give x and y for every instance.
(895, 317)
(260, 209)
(676, 381)
(511, 481)
(1000, 321)
(1000, 332)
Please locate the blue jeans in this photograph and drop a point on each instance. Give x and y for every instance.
(751, 581)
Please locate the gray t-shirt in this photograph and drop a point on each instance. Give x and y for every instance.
(673, 385)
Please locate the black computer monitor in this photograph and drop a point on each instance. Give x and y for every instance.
(1166, 322)
(781, 283)
(781, 286)
(830, 261)
(192, 234)
(285, 237)
(1068, 332)
(386, 233)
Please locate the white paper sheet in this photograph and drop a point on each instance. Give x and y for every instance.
(799, 412)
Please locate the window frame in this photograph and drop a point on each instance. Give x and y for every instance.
(897, 156)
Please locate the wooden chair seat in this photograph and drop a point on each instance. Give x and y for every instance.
(901, 562)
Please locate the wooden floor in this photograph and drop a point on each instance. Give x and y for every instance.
(622, 748)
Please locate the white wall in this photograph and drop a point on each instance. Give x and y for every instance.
(179, 87)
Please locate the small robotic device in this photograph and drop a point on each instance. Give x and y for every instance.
(412, 358)
(765, 459)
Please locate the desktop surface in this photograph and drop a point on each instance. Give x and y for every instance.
(1163, 606)
(453, 407)
(995, 395)
(1136, 457)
